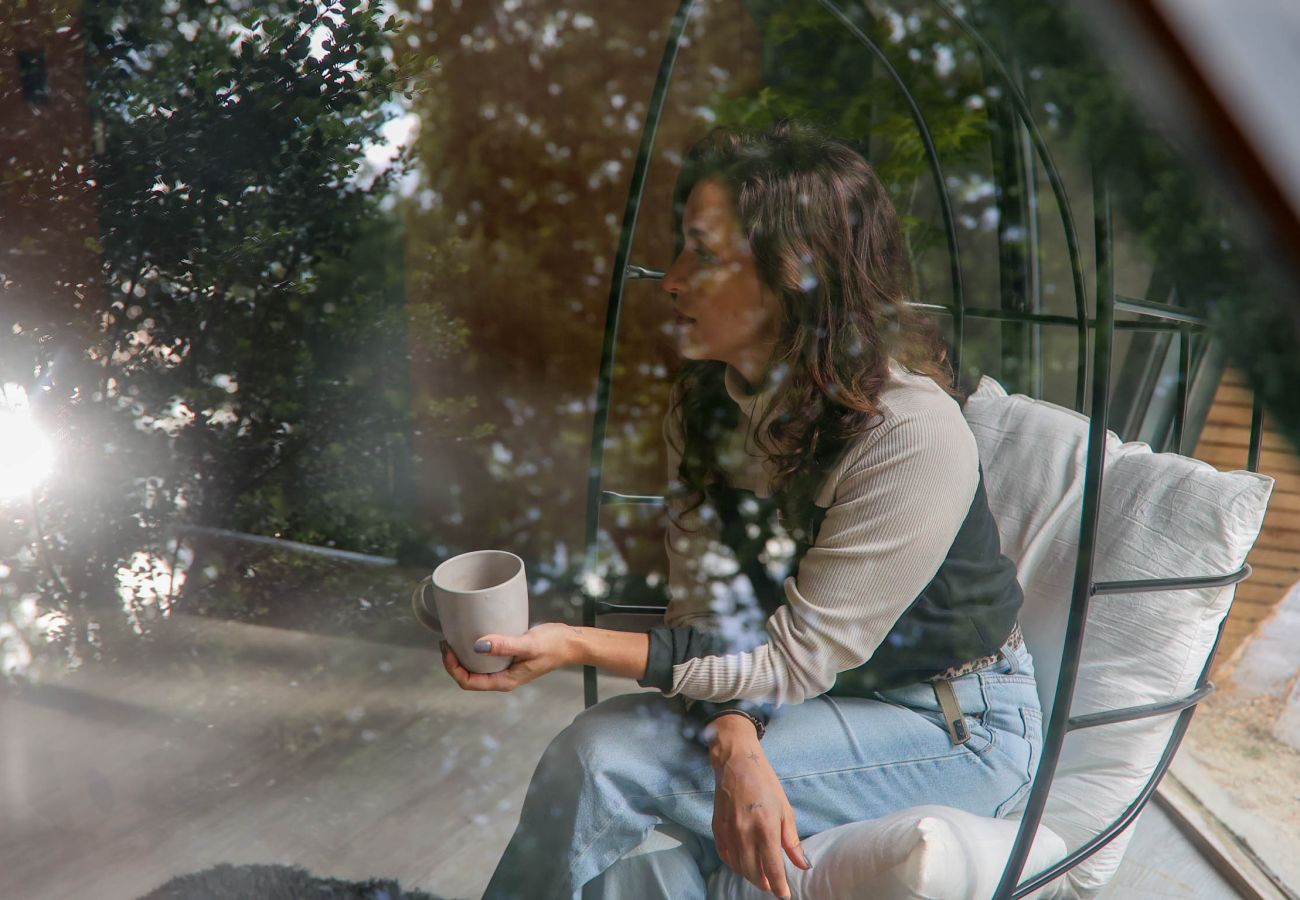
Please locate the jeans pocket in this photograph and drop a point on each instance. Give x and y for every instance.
(982, 738)
(1032, 732)
(1033, 719)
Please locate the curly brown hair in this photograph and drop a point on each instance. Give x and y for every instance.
(827, 240)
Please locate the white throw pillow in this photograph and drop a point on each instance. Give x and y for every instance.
(921, 853)
(1162, 515)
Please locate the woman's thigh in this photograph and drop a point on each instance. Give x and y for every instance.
(839, 759)
(847, 759)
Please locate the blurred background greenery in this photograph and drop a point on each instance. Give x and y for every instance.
(336, 274)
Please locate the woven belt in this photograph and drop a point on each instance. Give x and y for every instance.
(1014, 640)
(943, 690)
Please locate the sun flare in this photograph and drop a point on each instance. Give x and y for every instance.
(26, 456)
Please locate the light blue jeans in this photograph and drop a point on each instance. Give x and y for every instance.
(622, 768)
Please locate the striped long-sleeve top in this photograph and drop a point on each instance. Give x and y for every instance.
(904, 535)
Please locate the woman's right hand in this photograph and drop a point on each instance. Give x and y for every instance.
(753, 821)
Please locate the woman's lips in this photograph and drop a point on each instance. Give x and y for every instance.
(682, 320)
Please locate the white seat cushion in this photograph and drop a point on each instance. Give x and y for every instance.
(1162, 515)
(921, 853)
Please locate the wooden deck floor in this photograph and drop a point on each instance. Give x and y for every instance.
(227, 742)
(1161, 863)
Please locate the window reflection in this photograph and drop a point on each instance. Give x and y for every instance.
(300, 299)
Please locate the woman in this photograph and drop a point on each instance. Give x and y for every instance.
(841, 638)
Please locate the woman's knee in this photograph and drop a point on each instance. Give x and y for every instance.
(628, 727)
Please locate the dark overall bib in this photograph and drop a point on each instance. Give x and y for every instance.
(964, 613)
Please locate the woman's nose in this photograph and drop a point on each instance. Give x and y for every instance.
(672, 281)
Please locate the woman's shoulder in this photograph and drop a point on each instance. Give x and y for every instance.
(921, 429)
(910, 400)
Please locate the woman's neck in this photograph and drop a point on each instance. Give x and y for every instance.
(753, 371)
(753, 397)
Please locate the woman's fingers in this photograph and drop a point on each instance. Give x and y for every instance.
(471, 681)
(751, 869)
(454, 668)
(449, 661)
(791, 844)
(773, 869)
(741, 856)
(504, 645)
(759, 862)
(544, 648)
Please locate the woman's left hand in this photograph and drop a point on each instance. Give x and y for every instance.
(753, 821)
(543, 648)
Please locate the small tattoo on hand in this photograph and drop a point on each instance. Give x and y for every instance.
(753, 756)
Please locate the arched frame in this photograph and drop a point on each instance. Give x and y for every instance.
(1094, 369)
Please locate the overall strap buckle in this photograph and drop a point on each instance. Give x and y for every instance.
(958, 731)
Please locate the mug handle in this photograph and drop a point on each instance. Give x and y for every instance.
(422, 614)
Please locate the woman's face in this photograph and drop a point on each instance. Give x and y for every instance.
(723, 311)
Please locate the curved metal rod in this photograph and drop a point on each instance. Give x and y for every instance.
(1145, 711)
(1109, 833)
(614, 498)
(605, 384)
(1125, 819)
(1184, 386)
(936, 169)
(1147, 585)
(1012, 315)
(1081, 595)
(1147, 308)
(1256, 436)
(1153, 327)
(634, 273)
(630, 609)
(1058, 189)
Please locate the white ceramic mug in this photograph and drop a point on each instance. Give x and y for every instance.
(476, 593)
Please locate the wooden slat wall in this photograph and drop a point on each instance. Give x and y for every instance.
(1225, 444)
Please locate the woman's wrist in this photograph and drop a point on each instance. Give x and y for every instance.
(728, 733)
(622, 653)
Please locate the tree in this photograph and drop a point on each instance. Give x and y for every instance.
(247, 364)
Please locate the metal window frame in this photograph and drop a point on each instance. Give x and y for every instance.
(1093, 369)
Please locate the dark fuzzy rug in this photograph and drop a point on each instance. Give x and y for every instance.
(228, 882)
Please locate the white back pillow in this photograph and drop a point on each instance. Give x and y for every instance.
(1162, 516)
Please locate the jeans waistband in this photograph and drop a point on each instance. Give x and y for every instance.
(1014, 640)
(969, 689)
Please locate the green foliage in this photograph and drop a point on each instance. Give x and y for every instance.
(247, 364)
(1170, 220)
(817, 71)
(245, 360)
(238, 220)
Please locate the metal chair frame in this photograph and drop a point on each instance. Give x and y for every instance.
(1153, 317)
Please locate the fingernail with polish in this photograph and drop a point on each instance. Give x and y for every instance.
(483, 646)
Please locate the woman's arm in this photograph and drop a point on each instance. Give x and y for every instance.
(621, 653)
(900, 498)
